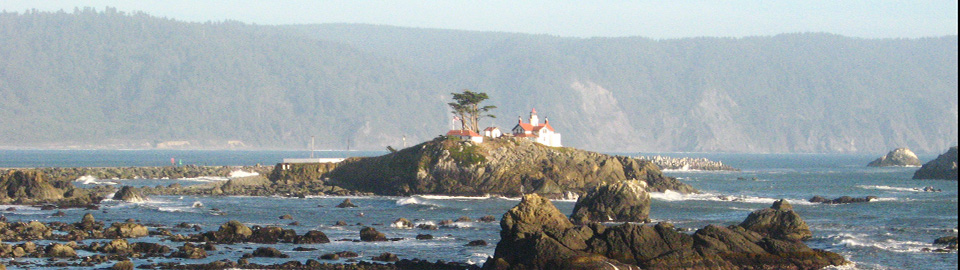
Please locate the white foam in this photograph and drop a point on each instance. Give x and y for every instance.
(206, 179)
(242, 173)
(93, 180)
(673, 196)
(441, 197)
(902, 189)
(863, 240)
(415, 200)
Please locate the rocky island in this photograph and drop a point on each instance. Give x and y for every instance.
(943, 167)
(898, 157)
(506, 166)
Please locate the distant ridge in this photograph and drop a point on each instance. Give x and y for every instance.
(133, 81)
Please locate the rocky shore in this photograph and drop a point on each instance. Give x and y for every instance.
(686, 163)
(944, 167)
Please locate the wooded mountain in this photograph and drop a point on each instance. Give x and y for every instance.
(110, 79)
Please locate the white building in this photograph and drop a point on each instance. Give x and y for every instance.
(543, 134)
(492, 132)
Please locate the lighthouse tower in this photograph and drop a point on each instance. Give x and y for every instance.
(534, 120)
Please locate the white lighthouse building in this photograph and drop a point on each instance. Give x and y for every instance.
(543, 134)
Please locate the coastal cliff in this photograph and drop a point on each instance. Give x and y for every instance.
(943, 167)
(505, 166)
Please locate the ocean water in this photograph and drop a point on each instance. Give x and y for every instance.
(889, 233)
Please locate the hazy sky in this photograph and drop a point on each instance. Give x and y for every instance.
(610, 18)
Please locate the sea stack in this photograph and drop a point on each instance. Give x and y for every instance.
(898, 157)
(944, 167)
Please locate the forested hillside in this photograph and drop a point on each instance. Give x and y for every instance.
(107, 79)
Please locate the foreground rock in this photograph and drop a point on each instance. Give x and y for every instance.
(508, 167)
(898, 157)
(944, 167)
(535, 235)
(626, 201)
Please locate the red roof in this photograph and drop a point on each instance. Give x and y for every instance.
(545, 125)
(526, 126)
(463, 133)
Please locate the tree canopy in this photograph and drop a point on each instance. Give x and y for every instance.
(467, 108)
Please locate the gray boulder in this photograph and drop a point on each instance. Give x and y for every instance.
(626, 201)
(897, 157)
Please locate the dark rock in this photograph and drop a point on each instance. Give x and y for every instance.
(348, 254)
(424, 237)
(340, 223)
(129, 194)
(626, 201)
(273, 235)
(346, 204)
(269, 252)
(150, 249)
(123, 265)
(368, 234)
(329, 256)
(949, 241)
(233, 231)
(464, 219)
(312, 237)
(487, 218)
(59, 214)
(477, 243)
(125, 230)
(303, 249)
(897, 157)
(427, 226)
(842, 200)
(386, 257)
(943, 167)
(58, 250)
(189, 251)
(286, 217)
(778, 222)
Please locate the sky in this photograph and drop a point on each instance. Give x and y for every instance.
(599, 18)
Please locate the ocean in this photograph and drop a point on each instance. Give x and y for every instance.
(889, 233)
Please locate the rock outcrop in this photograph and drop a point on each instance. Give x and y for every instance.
(505, 166)
(943, 167)
(129, 194)
(626, 201)
(778, 221)
(33, 186)
(535, 235)
(897, 157)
